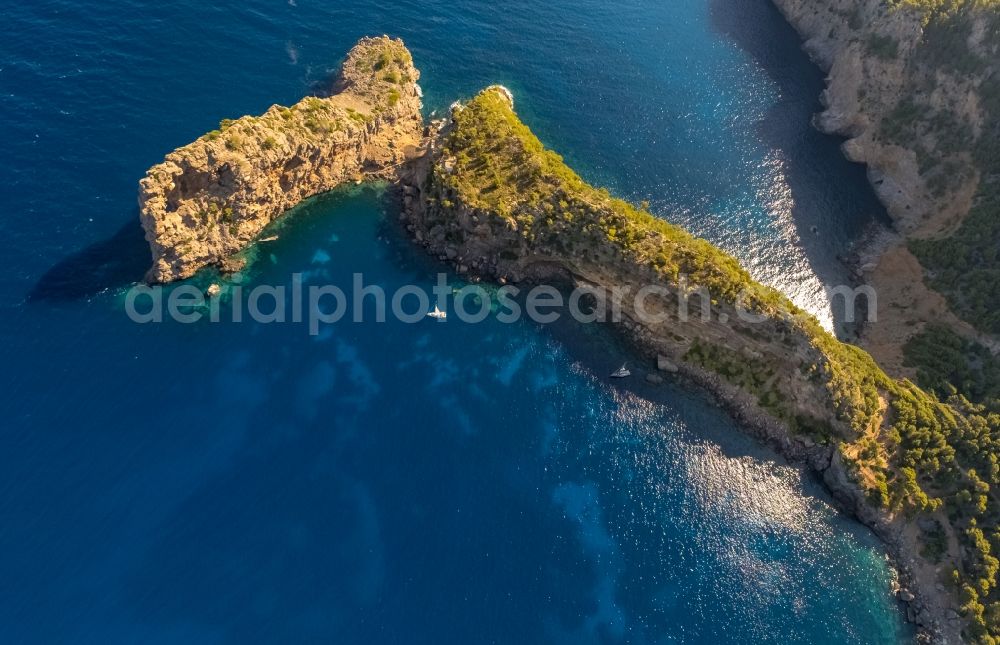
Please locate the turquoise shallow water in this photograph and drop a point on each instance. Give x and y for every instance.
(395, 483)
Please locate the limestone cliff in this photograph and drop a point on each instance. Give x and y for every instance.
(913, 85)
(209, 199)
(910, 116)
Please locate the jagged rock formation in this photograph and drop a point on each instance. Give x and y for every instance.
(209, 199)
(915, 87)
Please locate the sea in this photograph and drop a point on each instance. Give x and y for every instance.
(245, 482)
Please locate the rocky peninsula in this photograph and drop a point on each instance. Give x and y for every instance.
(209, 199)
(480, 191)
(492, 200)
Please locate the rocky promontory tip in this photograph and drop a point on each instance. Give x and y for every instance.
(502, 91)
(209, 199)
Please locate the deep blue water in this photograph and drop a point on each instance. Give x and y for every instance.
(393, 483)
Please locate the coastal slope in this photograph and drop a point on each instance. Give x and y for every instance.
(494, 202)
(209, 199)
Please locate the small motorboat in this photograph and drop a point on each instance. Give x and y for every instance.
(621, 372)
(437, 314)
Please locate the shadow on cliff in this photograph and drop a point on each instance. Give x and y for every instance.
(120, 260)
(832, 201)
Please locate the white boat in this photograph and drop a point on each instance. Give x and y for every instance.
(438, 314)
(622, 372)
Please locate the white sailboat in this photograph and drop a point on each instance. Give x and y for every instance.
(437, 314)
(621, 372)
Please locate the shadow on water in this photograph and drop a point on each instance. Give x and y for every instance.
(832, 201)
(120, 260)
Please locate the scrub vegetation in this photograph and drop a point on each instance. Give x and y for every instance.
(315, 118)
(962, 38)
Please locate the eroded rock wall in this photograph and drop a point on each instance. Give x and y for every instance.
(907, 87)
(871, 51)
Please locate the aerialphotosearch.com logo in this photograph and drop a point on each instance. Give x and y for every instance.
(326, 304)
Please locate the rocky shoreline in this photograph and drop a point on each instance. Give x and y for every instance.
(458, 237)
(928, 615)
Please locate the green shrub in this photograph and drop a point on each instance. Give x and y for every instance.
(966, 266)
(384, 59)
(948, 364)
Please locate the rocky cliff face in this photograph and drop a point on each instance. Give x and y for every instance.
(897, 105)
(909, 87)
(209, 199)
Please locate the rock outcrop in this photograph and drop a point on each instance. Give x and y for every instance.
(209, 199)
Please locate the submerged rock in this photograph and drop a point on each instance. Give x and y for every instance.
(665, 365)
